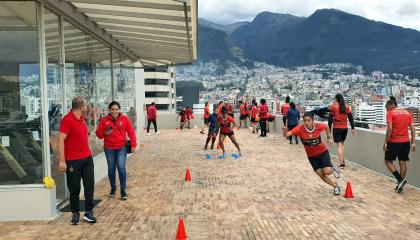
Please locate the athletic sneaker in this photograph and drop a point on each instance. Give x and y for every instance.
(75, 219)
(89, 217)
(336, 190)
(342, 165)
(124, 195)
(112, 193)
(336, 171)
(157, 132)
(401, 185)
(148, 134)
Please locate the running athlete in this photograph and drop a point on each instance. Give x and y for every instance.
(227, 124)
(183, 116)
(397, 141)
(243, 117)
(263, 112)
(285, 109)
(339, 113)
(213, 129)
(254, 112)
(205, 117)
(318, 155)
(188, 115)
(293, 117)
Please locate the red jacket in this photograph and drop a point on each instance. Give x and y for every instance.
(117, 138)
(263, 111)
(151, 112)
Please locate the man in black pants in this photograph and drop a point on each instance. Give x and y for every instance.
(263, 112)
(76, 159)
(151, 118)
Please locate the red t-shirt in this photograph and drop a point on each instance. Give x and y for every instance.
(188, 113)
(311, 140)
(285, 109)
(206, 112)
(264, 111)
(340, 119)
(76, 144)
(254, 111)
(401, 120)
(225, 126)
(230, 108)
(242, 109)
(248, 109)
(151, 112)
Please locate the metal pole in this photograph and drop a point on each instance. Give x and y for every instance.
(112, 75)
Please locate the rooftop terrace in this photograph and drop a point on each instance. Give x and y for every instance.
(269, 193)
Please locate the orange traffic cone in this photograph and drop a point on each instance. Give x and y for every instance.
(349, 192)
(188, 175)
(181, 234)
(142, 145)
(238, 128)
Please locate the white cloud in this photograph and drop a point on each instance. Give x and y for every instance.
(405, 13)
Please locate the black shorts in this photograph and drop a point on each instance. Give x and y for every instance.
(253, 120)
(398, 150)
(340, 134)
(228, 134)
(270, 119)
(206, 121)
(243, 117)
(290, 127)
(320, 161)
(231, 114)
(213, 132)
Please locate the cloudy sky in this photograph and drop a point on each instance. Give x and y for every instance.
(405, 13)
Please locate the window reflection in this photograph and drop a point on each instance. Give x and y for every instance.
(20, 108)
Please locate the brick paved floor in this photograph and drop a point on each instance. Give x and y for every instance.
(269, 193)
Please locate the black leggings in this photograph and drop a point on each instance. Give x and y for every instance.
(154, 125)
(263, 125)
(290, 127)
(213, 139)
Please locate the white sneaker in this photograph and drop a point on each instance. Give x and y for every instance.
(157, 132)
(148, 134)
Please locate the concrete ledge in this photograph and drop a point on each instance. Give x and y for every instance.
(27, 202)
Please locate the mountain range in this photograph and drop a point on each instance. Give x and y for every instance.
(326, 36)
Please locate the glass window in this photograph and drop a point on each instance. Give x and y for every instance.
(160, 106)
(156, 94)
(54, 95)
(125, 86)
(88, 74)
(20, 104)
(156, 81)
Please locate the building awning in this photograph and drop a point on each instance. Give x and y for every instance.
(154, 32)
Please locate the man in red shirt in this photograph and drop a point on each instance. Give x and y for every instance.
(151, 118)
(226, 124)
(76, 159)
(243, 117)
(285, 109)
(397, 140)
(254, 113)
(263, 112)
(318, 155)
(205, 116)
(188, 115)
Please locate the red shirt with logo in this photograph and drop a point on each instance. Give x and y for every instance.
(285, 109)
(121, 127)
(254, 111)
(263, 111)
(242, 109)
(225, 124)
(340, 119)
(311, 140)
(151, 112)
(206, 112)
(400, 120)
(76, 144)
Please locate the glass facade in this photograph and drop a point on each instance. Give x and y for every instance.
(21, 160)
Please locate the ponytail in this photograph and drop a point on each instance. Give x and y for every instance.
(340, 99)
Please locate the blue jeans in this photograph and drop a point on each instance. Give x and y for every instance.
(117, 158)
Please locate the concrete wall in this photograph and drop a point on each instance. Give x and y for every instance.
(365, 149)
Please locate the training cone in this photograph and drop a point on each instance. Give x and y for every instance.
(238, 128)
(188, 175)
(181, 234)
(349, 192)
(218, 145)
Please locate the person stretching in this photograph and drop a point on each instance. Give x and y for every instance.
(227, 124)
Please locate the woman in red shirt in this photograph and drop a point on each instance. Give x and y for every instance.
(318, 155)
(114, 129)
(340, 112)
(205, 116)
(254, 113)
(226, 125)
(263, 112)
